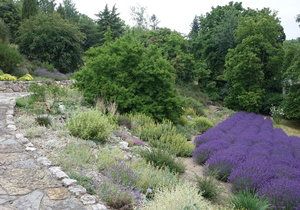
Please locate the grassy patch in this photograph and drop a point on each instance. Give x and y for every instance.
(162, 159)
(208, 188)
(248, 201)
(84, 181)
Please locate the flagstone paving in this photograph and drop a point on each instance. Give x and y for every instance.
(26, 183)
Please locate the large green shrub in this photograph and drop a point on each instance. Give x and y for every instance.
(4, 32)
(91, 124)
(138, 79)
(49, 38)
(10, 58)
(291, 66)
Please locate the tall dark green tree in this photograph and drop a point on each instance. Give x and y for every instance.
(215, 37)
(67, 10)
(258, 53)
(291, 74)
(90, 29)
(50, 38)
(195, 28)
(47, 6)
(29, 8)
(109, 20)
(10, 13)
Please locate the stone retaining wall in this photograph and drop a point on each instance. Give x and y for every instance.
(23, 86)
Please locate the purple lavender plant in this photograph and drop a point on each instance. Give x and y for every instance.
(255, 155)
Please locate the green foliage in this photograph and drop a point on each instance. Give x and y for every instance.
(26, 77)
(259, 53)
(29, 8)
(162, 159)
(248, 201)
(89, 27)
(108, 157)
(47, 6)
(109, 21)
(67, 10)
(7, 77)
(84, 181)
(44, 120)
(4, 32)
(291, 72)
(115, 197)
(150, 177)
(291, 103)
(91, 124)
(138, 79)
(49, 38)
(174, 47)
(201, 124)
(208, 188)
(10, 58)
(76, 156)
(10, 13)
(212, 41)
(161, 135)
(124, 120)
(179, 197)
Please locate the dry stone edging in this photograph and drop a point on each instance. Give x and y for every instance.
(34, 198)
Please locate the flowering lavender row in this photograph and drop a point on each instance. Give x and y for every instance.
(249, 152)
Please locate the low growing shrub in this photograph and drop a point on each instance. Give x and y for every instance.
(201, 124)
(76, 156)
(162, 159)
(174, 143)
(124, 120)
(122, 174)
(7, 77)
(26, 77)
(208, 188)
(180, 197)
(84, 181)
(150, 177)
(248, 201)
(108, 157)
(91, 124)
(115, 197)
(43, 120)
(10, 58)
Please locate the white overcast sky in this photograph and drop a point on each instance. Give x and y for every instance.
(178, 14)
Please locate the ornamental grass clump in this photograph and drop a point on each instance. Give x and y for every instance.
(162, 159)
(248, 201)
(249, 152)
(91, 125)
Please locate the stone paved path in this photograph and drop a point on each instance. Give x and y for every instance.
(26, 184)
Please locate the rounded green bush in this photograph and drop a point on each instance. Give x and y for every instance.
(201, 124)
(10, 58)
(91, 124)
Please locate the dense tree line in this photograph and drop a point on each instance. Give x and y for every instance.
(220, 55)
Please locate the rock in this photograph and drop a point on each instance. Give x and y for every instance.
(61, 109)
(44, 161)
(29, 145)
(88, 199)
(6, 198)
(58, 193)
(58, 173)
(30, 149)
(123, 145)
(98, 206)
(19, 136)
(77, 190)
(30, 201)
(24, 140)
(12, 127)
(68, 182)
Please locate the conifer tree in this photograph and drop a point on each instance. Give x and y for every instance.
(30, 8)
(109, 20)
